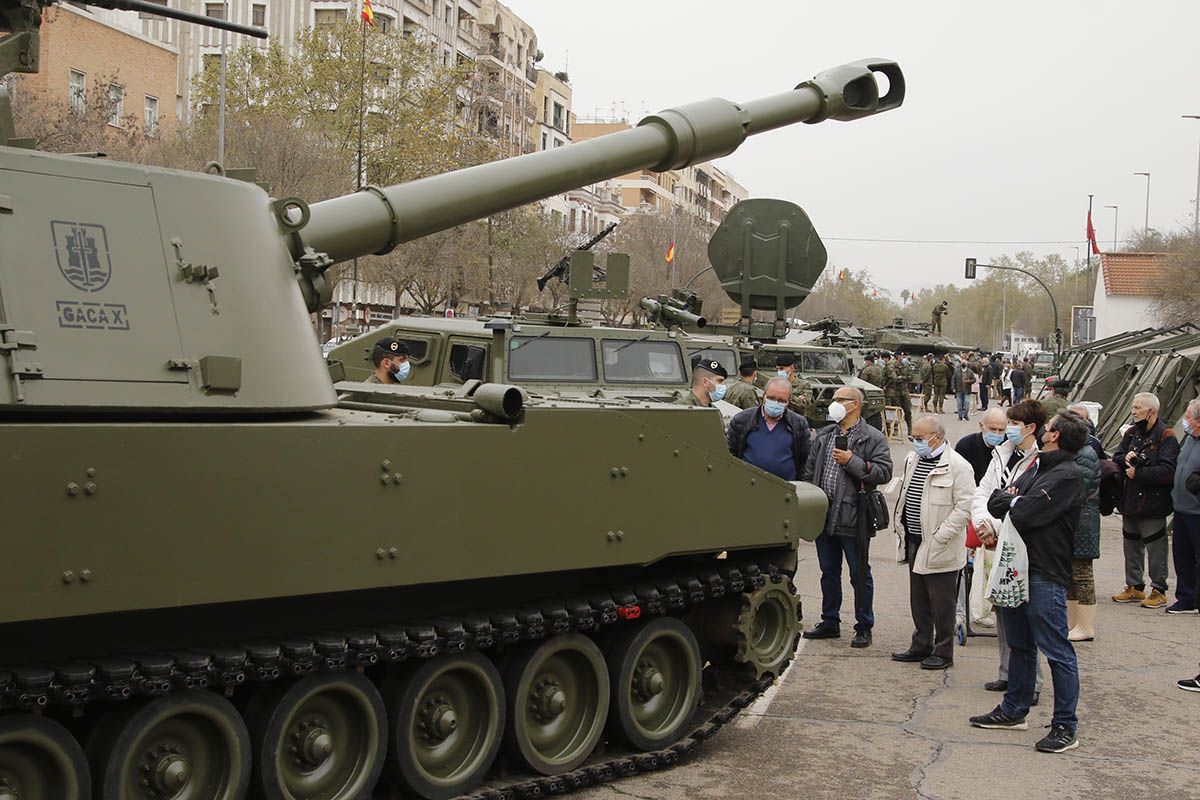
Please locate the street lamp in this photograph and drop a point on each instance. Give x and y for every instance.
(1114, 208)
(1147, 174)
(1196, 211)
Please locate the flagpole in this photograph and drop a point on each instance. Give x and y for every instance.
(358, 175)
(1089, 246)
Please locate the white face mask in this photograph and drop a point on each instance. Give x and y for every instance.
(837, 412)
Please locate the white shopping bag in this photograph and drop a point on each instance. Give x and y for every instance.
(982, 613)
(1008, 582)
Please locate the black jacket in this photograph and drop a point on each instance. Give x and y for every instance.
(1050, 500)
(975, 450)
(1017, 378)
(744, 422)
(1147, 495)
(870, 464)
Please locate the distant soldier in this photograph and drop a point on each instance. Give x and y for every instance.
(941, 379)
(872, 373)
(741, 392)
(926, 380)
(1057, 401)
(802, 392)
(708, 384)
(904, 371)
(939, 311)
(895, 387)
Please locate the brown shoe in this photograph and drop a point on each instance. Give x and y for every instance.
(1130, 595)
(1156, 600)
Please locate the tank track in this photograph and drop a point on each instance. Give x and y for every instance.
(70, 687)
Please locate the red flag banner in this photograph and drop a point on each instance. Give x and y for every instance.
(671, 254)
(1091, 235)
(368, 13)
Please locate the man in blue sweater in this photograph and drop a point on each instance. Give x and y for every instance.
(772, 437)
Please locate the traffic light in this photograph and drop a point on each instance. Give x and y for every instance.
(971, 268)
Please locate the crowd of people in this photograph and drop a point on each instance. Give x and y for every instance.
(1035, 464)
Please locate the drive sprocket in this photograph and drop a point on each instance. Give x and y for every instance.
(768, 627)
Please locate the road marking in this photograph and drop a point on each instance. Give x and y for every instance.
(753, 715)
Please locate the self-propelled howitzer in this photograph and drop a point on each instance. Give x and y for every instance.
(216, 574)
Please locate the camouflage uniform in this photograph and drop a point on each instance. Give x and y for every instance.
(895, 389)
(689, 398)
(802, 396)
(872, 373)
(926, 383)
(373, 379)
(741, 394)
(941, 378)
(939, 311)
(1054, 404)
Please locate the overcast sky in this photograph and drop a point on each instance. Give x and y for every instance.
(1015, 112)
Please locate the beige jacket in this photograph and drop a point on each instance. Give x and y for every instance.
(945, 509)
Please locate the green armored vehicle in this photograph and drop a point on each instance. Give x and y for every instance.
(220, 578)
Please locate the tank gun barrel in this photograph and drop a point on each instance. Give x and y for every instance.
(376, 219)
(667, 313)
(146, 7)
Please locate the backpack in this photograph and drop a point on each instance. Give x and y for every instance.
(1112, 485)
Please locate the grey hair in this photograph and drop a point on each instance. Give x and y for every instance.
(1194, 408)
(995, 411)
(778, 381)
(1149, 399)
(937, 426)
(1080, 409)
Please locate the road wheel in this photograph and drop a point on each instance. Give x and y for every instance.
(768, 628)
(40, 758)
(446, 720)
(187, 746)
(558, 694)
(323, 737)
(655, 672)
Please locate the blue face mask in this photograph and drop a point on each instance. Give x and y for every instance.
(717, 393)
(783, 373)
(774, 408)
(993, 439)
(1187, 426)
(401, 372)
(923, 449)
(1013, 434)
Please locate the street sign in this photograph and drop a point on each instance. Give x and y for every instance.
(971, 268)
(1083, 325)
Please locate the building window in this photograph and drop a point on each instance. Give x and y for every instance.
(558, 142)
(258, 15)
(383, 22)
(78, 91)
(328, 17)
(544, 140)
(144, 15)
(150, 116)
(449, 15)
(558, 116)
(116, 104)
(214, 10)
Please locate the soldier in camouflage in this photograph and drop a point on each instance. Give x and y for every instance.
(941, 379)
(895, 387)
(1057, 401)
(926, 380)
(802, 392)
(708, 384)
(390, 359)
(872, 373)
(742, 392)
(939, 311)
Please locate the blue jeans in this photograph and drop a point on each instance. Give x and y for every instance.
(1186, 548)
(1040, 624)
(964, 404)
(830, 550)
(1018, 393)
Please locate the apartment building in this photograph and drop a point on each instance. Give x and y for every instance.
(508, 52)
(451, 27)
(86, 50)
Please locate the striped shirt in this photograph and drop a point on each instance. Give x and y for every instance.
(911, 516)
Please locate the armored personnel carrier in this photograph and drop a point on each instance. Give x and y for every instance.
(220, 578)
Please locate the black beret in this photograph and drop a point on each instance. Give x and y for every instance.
(1062, 384)
(785, 360)
(710, 365)
(392, 347)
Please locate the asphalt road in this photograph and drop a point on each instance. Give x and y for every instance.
(846, 723)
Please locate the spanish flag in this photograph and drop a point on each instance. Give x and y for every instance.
(368, 13)
(670, 250)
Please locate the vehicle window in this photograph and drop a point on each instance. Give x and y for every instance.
(823, 362)
(466, 361)
(631, 361)
(417, 348)
(1044, 358)
(551, 358)
(726, 358)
